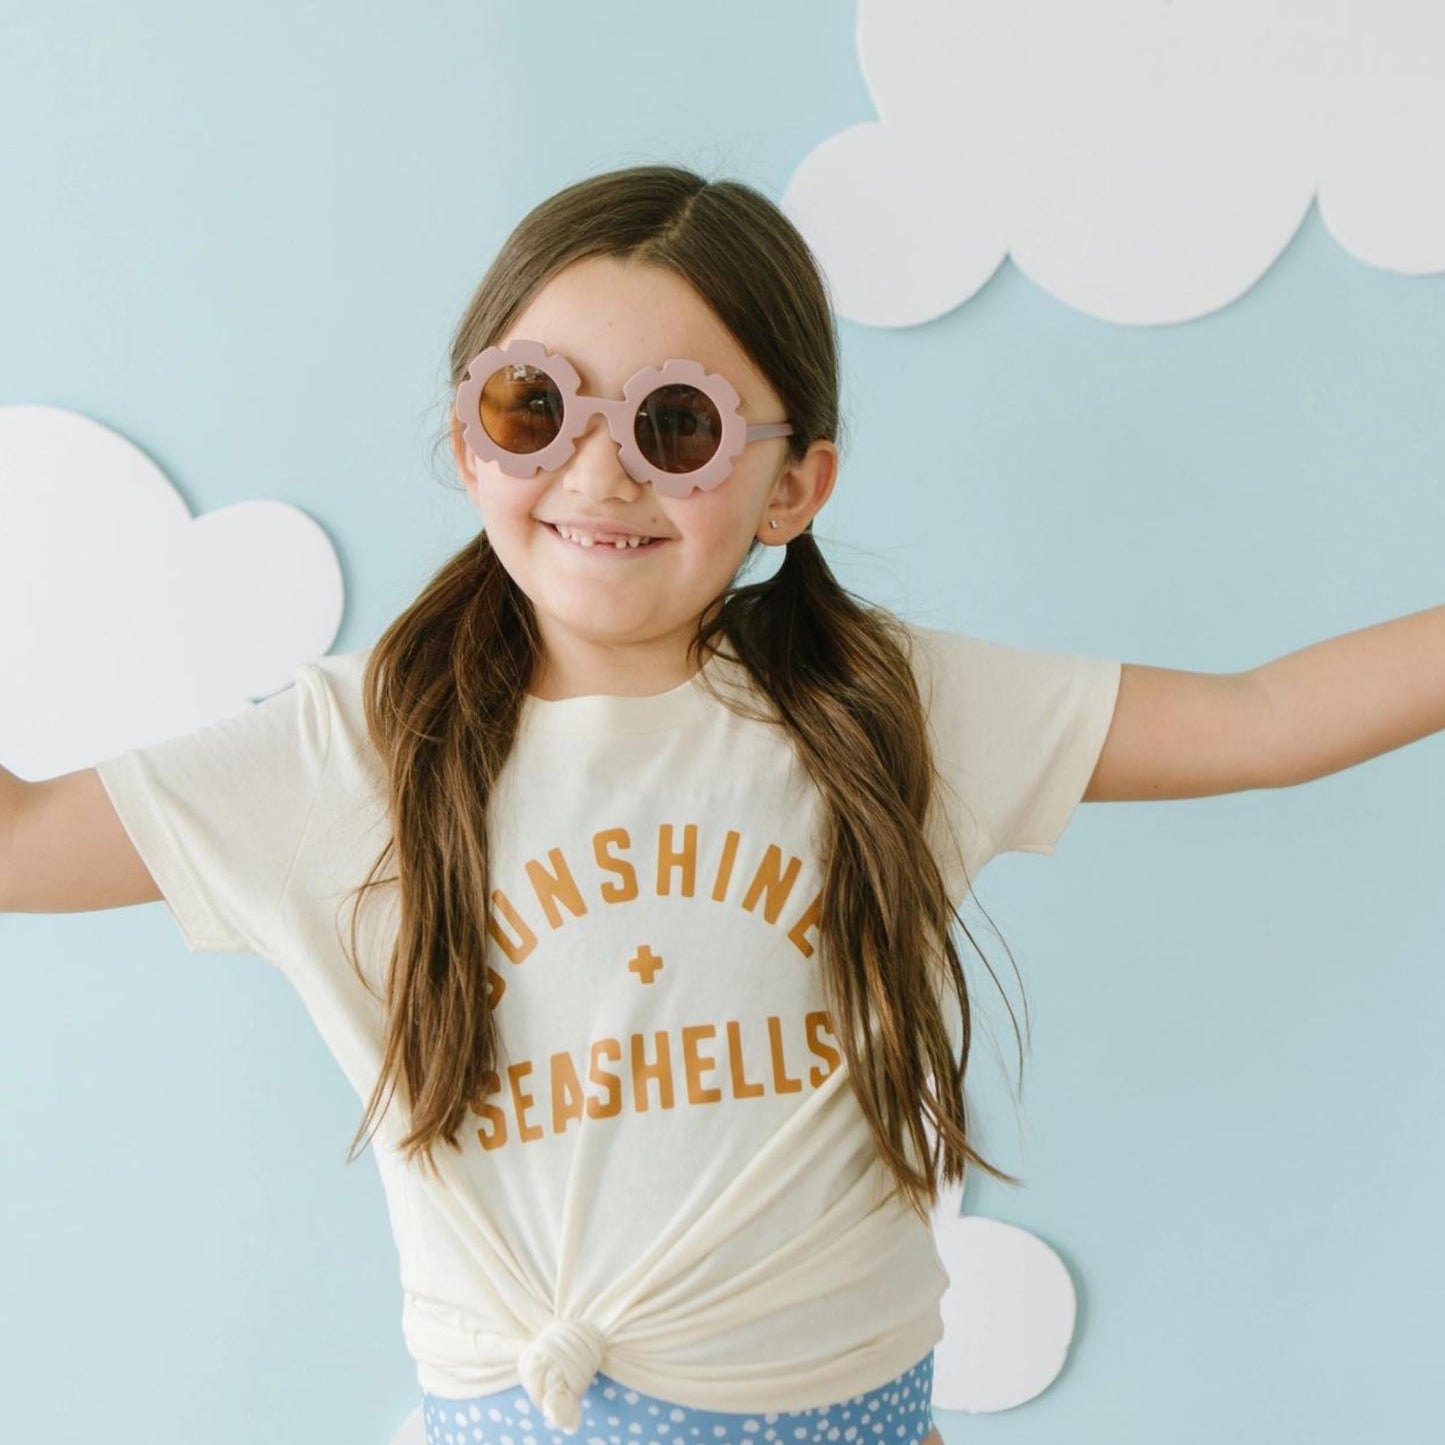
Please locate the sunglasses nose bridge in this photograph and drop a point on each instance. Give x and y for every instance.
(610, 417)
(605, 412)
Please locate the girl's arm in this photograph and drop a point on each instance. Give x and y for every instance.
(1300, 717)
(63, 849)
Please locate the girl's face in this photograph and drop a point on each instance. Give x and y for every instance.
(610, 620)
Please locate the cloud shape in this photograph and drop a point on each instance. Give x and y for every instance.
(123, 618)
(1143, 161)
(1008, 1313)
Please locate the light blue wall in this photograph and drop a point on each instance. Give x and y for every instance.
(241, 237)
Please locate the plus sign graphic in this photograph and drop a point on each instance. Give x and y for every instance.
(645, 963)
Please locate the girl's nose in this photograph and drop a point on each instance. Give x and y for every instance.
(595, 468)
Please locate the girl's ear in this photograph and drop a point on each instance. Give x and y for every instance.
(803, 486)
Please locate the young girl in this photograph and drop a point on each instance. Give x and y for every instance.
(623, 892)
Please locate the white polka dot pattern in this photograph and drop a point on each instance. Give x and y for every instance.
(898, 1413)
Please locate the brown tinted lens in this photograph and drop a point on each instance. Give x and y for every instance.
(521, 408)
(678, 428)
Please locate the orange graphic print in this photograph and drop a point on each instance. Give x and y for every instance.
(554, 887)
(638, 1075)
(694, 1065)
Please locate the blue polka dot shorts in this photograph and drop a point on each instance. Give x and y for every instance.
(898, 1413)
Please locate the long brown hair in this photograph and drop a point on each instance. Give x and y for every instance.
(444, 685)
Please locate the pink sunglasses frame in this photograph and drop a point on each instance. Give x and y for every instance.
(578, 410)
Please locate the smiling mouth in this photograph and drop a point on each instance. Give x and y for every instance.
(600, 546)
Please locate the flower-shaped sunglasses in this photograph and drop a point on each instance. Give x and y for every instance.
(678, 426)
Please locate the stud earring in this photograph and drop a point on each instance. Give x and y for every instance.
(773, 523)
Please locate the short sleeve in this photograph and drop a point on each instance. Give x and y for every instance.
(218, 814)
(1017, 732)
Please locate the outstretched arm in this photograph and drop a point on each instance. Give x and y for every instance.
(1303, 716)
(64, 850)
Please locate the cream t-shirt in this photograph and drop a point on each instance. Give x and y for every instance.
(673, 1181)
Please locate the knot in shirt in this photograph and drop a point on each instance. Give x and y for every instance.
(557, 1367)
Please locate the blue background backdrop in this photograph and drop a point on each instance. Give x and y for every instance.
(242, 240)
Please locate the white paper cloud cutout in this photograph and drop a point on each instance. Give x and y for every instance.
(1142, 161)
(123, 619)
(1008, 1313)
